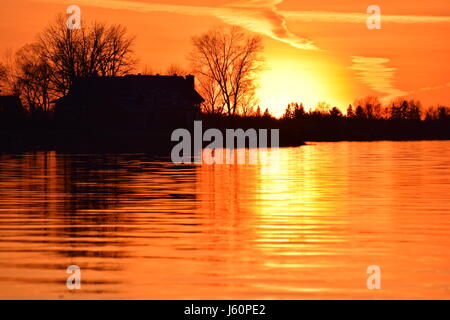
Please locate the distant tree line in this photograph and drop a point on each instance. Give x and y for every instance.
(369, 120)
(370, 108)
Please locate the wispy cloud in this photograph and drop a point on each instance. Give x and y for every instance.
(435, 87)
(263, 17)
(354, 17)
(260, 16)
(377, 76)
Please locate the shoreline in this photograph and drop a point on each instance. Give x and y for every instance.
(114, 146)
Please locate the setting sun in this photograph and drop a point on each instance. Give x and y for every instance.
(305, 79)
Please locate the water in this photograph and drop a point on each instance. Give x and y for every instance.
(305, 223)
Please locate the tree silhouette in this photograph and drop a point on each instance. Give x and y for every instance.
(350, 113)
(371, 106)
(443, 113)
(359, 113)
(335, 113)
(46, 69)
(226, 63)
(176, 69)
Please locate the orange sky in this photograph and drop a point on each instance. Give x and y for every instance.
(315, 50)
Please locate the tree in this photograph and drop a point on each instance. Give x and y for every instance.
(443, 113)
(335, 113)
(2, 71)
(46, 69)
(9, 71)
(350, 113)
(288, 113)
(406, 110)
(258, 112)
(33, 78)
(299, 111)
(148, 70)
(226, 63)
(359, 113)
(3, 75)
(437, 113)
(247, 104)
(414, 112)
(323, 107)
(431, 114)
(95, 49)
(175, 69)
(371, 106)
(267, 114)
(210, 91)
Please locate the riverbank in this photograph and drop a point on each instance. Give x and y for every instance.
(48, 134)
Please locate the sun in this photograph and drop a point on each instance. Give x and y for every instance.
(305, 81)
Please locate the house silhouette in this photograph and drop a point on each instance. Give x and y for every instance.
(132, 101)
(10, 104)
(11, 111)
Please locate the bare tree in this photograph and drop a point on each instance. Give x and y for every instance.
(176, 69)
(2, 72)
(210, 91)
(26, 74)
(371, 106)
(323, 107)
(148, 70)
(173, 69)
(46, 69)
(9, 73)
(3, 75)
(95, 49)
(227, 61)
(33, 78)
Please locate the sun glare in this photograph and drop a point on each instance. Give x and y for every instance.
(283, 82)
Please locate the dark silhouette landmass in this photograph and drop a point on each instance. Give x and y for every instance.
(72, 100)
(128, 132)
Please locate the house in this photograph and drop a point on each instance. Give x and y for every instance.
(132, 101)
(11, 112)
(10, 105)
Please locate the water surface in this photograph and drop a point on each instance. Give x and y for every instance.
(304, 223)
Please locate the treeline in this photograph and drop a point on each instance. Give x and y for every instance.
(41, 130)
(369, 120)
(370, 108)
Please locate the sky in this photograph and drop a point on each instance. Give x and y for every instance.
(315, 51)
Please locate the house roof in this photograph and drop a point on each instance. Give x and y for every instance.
(117, 86)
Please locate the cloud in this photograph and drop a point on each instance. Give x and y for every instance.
(377, 76)
(260, 16)
(435, 87)
(353, 17)
(263, 17)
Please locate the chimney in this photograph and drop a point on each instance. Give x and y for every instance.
(191, 81)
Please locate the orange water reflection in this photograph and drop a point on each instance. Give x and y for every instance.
(302, 223)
